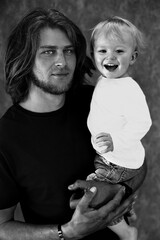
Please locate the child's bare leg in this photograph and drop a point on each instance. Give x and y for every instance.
(124, 231)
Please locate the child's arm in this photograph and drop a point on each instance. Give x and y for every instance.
(137, 115)
(103, 142)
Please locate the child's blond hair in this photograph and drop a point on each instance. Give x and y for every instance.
(115, 27)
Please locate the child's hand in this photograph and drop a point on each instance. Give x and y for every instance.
(104, 142)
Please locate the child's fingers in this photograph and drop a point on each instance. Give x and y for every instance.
(102, 134)
(104, 144)
(104, 147)
(102, 139)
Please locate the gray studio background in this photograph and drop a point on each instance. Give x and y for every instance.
(145, 14)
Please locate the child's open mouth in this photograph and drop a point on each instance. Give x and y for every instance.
(110, 67)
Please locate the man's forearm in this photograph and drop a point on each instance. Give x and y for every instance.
(14, 230)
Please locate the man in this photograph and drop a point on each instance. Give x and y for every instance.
(45, 144)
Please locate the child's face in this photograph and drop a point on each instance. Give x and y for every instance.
(114, 56)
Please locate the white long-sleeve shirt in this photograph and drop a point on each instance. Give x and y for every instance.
(119, 107)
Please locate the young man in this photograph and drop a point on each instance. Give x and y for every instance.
(45, 145)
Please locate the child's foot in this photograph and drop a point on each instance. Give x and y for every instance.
(130, 234)
(131, 215)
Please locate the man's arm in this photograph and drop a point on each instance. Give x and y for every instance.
(15, 230)
(85, 220)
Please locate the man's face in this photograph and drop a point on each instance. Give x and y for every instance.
(55, 62)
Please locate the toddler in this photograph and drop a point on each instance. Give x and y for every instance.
(119, 116)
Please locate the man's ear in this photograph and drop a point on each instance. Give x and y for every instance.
(134, 57)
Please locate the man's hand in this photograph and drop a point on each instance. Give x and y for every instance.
(87, 220)
(103, 143)
(105, 192)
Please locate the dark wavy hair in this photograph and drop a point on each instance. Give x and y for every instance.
(23, 43)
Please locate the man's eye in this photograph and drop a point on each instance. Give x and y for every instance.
(69, 51)
(48, 52)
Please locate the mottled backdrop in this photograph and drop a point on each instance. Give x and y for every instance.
(86, 13)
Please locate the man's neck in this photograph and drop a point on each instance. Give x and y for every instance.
(39, 101)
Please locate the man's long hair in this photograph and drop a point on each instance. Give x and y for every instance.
(22, 46)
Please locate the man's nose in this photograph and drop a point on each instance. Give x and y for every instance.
(60, 60)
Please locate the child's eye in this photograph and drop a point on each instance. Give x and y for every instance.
(120, 51)
(102, 51)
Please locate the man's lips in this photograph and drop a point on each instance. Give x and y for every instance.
(60, 74)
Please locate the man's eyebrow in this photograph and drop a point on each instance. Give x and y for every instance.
(54, 47)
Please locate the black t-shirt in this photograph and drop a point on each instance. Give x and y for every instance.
(41, 154)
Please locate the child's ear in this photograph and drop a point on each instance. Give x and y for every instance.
(134, 57)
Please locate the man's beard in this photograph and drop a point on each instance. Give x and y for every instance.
(50, 88)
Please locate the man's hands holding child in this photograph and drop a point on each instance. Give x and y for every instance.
(103, 142)
(88, 219)
(104, 193)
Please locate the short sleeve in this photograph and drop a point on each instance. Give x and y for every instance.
(8, 189)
